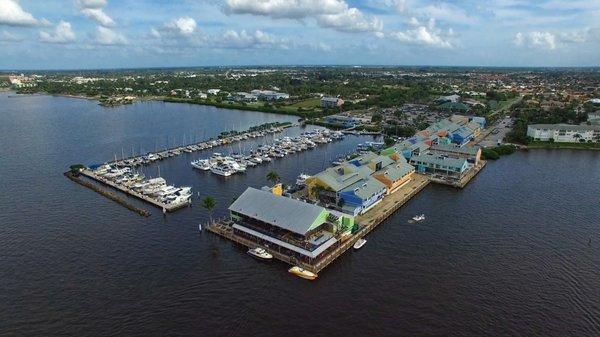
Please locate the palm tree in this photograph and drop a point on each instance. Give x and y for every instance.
(209, 204)
(273, 177)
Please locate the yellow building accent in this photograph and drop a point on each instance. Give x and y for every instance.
(277, 189)
(392, 186)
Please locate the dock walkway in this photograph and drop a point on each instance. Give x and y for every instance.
(167, 207)
(366, 222)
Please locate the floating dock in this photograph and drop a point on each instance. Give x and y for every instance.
(167, 207)
(366, 222)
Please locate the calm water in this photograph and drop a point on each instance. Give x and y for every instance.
(508, 255)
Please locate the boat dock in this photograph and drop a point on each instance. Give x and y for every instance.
(141, 159)
(167, 207)
(366, 222)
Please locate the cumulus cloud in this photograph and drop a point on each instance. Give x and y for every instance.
(184, 26)
(334, 14)
(91, 3)
(350, 20)
(63, 33)
(12, 14)
(248, 40)
(107, 36)
(550, 41)
(425, 34)
(291, 9)
(93, 9)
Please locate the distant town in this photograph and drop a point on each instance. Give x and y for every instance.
(396, 102)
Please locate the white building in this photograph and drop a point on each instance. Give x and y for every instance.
(331, 102)
(213, 91)
(269, 95)
(564, 132)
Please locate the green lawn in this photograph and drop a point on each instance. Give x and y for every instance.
(307, 103)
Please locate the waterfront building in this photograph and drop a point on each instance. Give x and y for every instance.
(438, 164)
(213, 91)
(331, 102)
(471, 153)
(343, 121)
(395, 176)
(564, 132)
(243, 97)
(350, 187)
(288, 226)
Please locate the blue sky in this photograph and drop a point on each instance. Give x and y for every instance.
(79, 34)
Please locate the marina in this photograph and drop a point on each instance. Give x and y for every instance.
(227, 165)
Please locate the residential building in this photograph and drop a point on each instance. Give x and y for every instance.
(471, 153)
(331, 102)
(269, 95)
(213, 91)
(395, 176)
(438, 164)
(287, 225)
(564, 132)
(343, 121)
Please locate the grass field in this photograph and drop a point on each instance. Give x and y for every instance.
(307, 103)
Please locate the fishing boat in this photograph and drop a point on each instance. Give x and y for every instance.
(260, 253)
(419, 217)
(359, 243)
(301, 272)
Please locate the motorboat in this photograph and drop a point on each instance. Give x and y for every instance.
(419, 217)
(260, 253)
(301, 180)
(223, 170)
(301, 272)
(359, 243)
(201, 164)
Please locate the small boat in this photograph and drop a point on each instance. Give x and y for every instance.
(359, 243)
(420, 217)
(300, 272)
(301, 180)
(260, 253)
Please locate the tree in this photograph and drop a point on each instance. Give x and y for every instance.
(389, 141)
(273, 177)
(209, 204)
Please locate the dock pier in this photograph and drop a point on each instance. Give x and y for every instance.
(167, 207)
(367, 222)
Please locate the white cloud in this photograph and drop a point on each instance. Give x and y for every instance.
(98, 15)
(63, 33)
(550, 41)
(184, 25)
(350, 20)
(93, 9)
(248, 40)
(428, 35)
(10, 37)
(539, 40)
(448, 13)
(291, 9)
(335, 14)
(107, 36)
(12, 14)
(91, 3)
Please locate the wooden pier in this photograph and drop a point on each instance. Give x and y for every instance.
(366, 222)
(167, 207)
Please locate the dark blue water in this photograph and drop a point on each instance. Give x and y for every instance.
(508, 255)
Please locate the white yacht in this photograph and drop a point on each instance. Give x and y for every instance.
(260, 253)
(202, 164)
(359, 243)
(222, 170)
